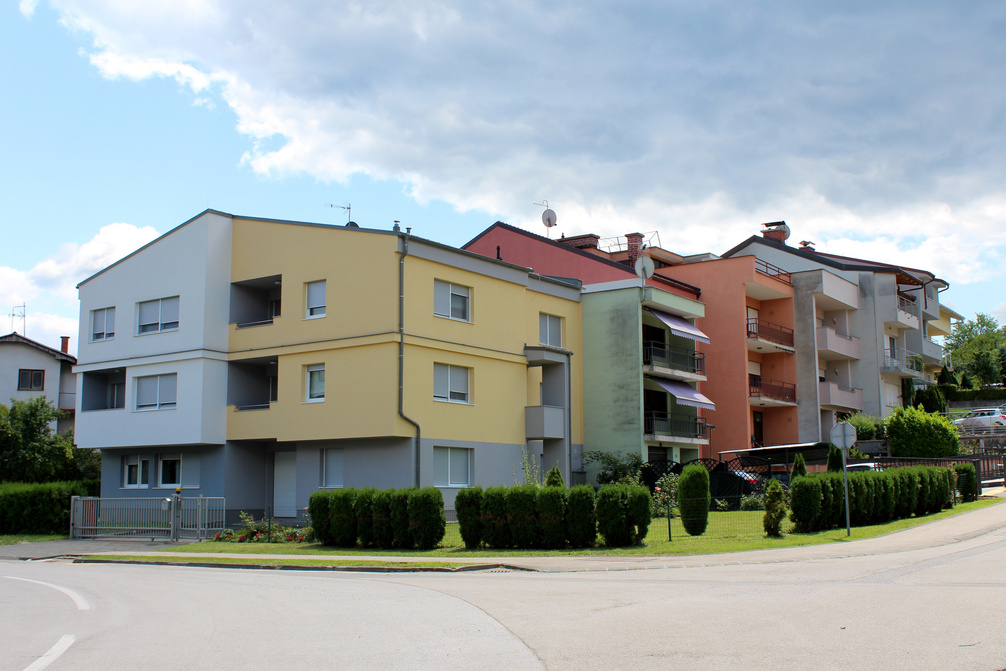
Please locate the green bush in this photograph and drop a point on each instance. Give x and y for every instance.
(637, 512)
(665, 495)
(554, 478)
(468, 505)
(931, 399)
(612, 520)
(427, 522)
(522, 509)
(868, 427)
(799, 469)
(775, 508)
(552, 504)
(317, 509)
(834, 460)
(363, 509)
(824, 520)
(693, 499)
(401, 535)
(805, 503)
(581, 519)
(613, 466)
(42, 508)
(967, 481)
(923, 503)
(915, 433)
(384, 532)
(753, 501)
(496, 518)
(909, 492)
(342, 518)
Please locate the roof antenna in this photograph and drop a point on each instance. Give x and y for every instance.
(547, 217)
(14, 315)
(348, 207)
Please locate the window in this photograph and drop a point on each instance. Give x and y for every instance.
(451, 301)
(135, 471)
(157, 316)
(331, 467)
(116, 395)
(30, 380)
(450, 383)
(315, 299)
(315, 383)
(170, 471)
(452, 466)
(156, 392)
(549, 330)
(102, 324)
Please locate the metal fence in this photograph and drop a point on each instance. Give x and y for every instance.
(170, 518)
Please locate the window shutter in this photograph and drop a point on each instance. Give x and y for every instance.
(441, 381)
(169, 313)
(146, 392)
(441, 298)
(168, 389)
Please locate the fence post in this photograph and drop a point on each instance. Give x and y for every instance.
(176, 517)
(74, 508)
(200, 525)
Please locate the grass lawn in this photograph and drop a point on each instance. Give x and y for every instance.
(14, 539)
(727, 532)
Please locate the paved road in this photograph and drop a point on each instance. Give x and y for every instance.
(927, 598)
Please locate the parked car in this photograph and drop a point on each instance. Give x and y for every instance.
(982, 419)
(865, 466)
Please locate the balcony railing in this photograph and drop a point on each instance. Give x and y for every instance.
(766, 268)
(766, 330)
(903, 360)
(658, 354)
(907, 306)
(782, 391)
(662, 423)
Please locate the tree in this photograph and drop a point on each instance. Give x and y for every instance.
(915, 433)
(968, 338)
(799, 468)
(31, 452)
(984, 367)
(614, 467)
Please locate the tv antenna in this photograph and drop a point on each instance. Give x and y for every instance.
(547, 217)
(14, 315)
(348, 207)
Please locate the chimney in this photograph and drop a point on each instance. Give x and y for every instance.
(635, 241)
(64, 346)
(776, 230)
(586, 241)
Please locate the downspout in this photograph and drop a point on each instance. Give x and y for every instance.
(401, 345)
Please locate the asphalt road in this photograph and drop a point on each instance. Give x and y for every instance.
(926, 599)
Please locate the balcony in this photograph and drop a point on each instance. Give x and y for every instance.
(767, 337)
(835, 397)
(766, 268)
(674, 362)
(67, 401)
(673, 427)
(832, 345)
(770, 393)
(256, 302)
(902, 363)
(252, 422)
(903, 315)
(542, 422)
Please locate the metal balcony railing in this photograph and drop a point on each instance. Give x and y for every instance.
(907, 306)
(902, 359)
(782, 391)
(766, 268)
(662, 423)
(760, 328)
(658, 354)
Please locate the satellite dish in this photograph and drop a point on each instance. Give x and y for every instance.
(645, 267)
(548, 218)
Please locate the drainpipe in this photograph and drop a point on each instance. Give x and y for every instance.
(401, 344)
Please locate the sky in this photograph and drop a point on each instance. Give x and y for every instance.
(874, 129)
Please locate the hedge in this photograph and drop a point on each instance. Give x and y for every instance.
(552, 505)
(967, 481)
(581, 519)
(496, 518)
(401, 518)
(468, 506)
(522, 507)
(42, 508)
(427, 522)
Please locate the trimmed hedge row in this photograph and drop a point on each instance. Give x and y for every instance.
(372, 518)
(527, 516)
(43, 508)
(817, 501)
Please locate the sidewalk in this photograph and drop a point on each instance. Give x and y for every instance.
(943, 532)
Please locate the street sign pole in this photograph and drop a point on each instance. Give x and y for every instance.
(843, 436)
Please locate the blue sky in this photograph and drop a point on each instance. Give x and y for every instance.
(874, 129)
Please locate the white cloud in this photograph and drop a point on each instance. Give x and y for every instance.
(873, 129)
(27, 7)
(48, 329)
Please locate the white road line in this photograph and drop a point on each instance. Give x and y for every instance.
(53, 653)
(81, 602)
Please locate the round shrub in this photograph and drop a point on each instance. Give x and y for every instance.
(581, 520)
(554, 478)
(693, 499)
(468, 506)
(637, 511)
(915, 433)
(317, 509)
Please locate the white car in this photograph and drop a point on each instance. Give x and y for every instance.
(982, 419)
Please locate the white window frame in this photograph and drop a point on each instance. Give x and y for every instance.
(549, 330)
(160, 471)
(106, 318)
(167, 392)
(309, 373)
(142, 478)
(451, 384)
(444, 294)
(315, 305)
(445, 460)
(333, 458)
(166, 318)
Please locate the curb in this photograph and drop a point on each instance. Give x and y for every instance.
(293, 567)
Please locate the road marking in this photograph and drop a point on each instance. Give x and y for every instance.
(81, 602)
(53, 653)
